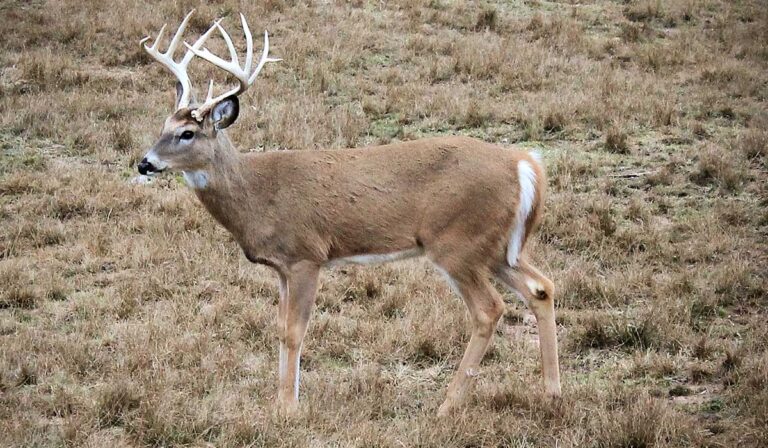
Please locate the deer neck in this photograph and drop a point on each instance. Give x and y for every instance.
(220, 172)
(223, 188)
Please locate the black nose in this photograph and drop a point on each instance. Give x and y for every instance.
(146, 167)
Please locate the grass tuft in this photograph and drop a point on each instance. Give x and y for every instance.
(616, 141)
(720, 168)
(114, 402)
(605, 333)
(26, 375)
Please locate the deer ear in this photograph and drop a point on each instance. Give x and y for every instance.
(225, 112)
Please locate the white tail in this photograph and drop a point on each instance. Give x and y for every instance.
(466, 205)
(527, 177)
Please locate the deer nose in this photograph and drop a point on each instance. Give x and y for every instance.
(146, 167)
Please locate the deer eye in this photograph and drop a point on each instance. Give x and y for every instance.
(186, 135)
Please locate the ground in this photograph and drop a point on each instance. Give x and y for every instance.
(129, 318)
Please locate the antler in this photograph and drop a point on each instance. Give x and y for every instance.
(178, 68)
(243, 74)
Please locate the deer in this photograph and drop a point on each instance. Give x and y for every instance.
(468, 206)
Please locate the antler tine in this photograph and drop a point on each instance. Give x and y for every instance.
(198, 43)
(230, 45)
(230, 66)
(159, 37)
(209, 96)
(248, 44)
(264, 59)
(243, 74)
(179, 69)
(177, 37)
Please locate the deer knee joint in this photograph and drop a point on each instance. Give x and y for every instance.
(540, 287)
(537, 289)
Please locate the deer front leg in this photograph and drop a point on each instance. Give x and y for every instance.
(296, 303)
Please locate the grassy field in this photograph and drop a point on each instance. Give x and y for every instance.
(129, 318)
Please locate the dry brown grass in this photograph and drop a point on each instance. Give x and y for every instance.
(128, 318)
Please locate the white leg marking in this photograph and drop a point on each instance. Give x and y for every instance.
(282, 363)
(527, 178)
(197, 180)
(298, 374)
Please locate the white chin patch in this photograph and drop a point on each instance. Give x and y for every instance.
(197, 180)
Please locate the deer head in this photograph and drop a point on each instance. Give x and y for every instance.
(189, 138)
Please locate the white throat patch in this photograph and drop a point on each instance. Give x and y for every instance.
(197, 180)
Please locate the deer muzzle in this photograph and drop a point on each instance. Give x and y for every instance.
(147, 168)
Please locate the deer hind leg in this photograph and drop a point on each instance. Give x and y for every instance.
(537, 291)
(298, 287)
(485, 308)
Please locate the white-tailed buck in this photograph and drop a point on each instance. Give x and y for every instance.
(466, 205)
